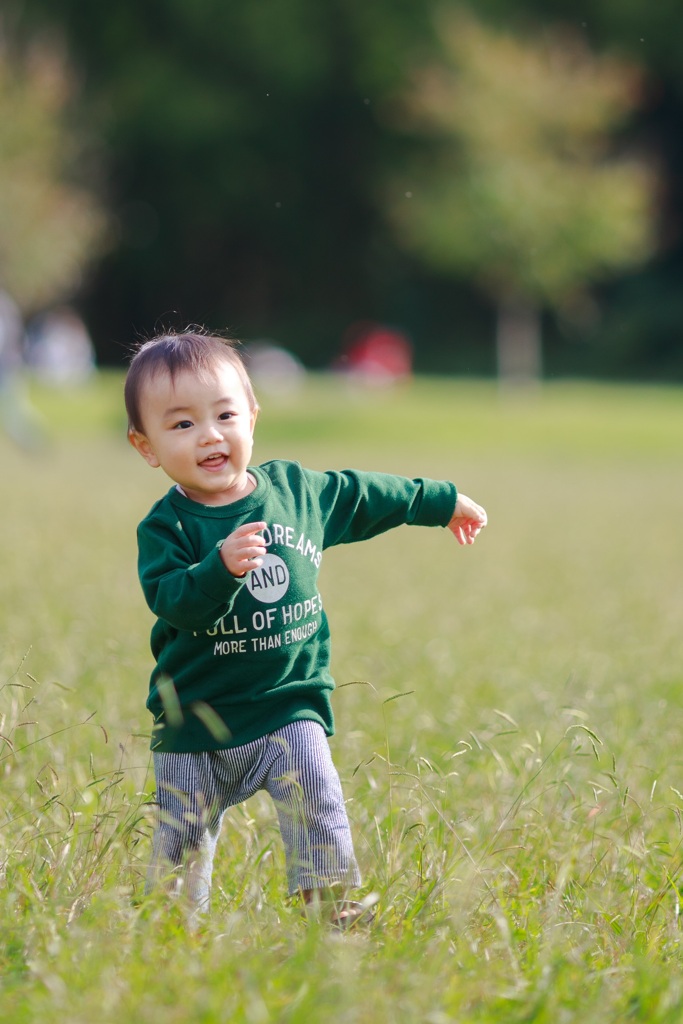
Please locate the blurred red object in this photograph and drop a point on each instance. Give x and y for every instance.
(377, 353)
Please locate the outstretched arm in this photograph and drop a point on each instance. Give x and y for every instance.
(467, 521)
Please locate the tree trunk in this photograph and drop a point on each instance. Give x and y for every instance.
(519, 343)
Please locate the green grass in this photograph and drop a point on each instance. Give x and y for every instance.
(508, 725)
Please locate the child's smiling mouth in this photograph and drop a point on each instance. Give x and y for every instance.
(215, 461)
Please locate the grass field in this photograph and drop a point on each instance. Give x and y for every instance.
(509, 726)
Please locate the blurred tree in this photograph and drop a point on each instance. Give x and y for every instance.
(247, 163)
(242, 147)
(49, 226)
(521, 189)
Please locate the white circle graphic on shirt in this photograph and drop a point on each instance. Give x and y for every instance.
(270, 581)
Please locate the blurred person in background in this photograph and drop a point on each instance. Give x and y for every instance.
(59, 350)
(17, 416)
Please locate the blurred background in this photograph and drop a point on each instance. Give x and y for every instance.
(376, 185)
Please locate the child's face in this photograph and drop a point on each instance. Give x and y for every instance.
(200, 431)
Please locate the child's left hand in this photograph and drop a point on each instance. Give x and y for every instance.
(467, 521)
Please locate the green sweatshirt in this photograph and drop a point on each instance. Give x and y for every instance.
(238, 658)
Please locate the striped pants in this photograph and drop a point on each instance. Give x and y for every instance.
(294, 765)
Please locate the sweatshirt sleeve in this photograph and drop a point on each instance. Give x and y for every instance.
(356, 506)
(189, 595)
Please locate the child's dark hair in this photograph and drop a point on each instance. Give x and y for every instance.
(177, 353)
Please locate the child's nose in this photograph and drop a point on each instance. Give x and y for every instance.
(212, 434)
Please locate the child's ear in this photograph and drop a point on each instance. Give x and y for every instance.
(254, 416)
(142, 445)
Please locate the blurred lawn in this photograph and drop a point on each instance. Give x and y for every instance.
(429, 414)
(572, 594)
(518, 805)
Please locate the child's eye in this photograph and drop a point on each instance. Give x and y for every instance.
(182, 425)
(226, 416)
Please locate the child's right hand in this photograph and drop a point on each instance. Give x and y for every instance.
(467, 521)
(243, 550)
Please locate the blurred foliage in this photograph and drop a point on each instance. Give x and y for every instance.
(523, 191)
(242, 145)
(520, 189)
(246, 153)
(49, 224)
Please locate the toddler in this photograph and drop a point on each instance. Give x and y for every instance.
(228, 563)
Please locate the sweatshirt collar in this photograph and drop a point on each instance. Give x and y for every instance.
(180, 500)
